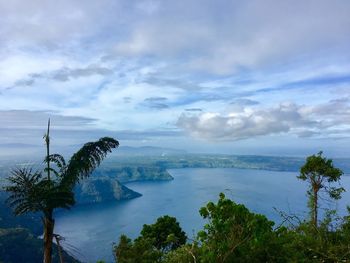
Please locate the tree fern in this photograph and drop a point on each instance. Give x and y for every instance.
(33, 192)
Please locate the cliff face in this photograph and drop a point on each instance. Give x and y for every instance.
(98, 190)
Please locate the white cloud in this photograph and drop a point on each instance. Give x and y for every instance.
(330, 119)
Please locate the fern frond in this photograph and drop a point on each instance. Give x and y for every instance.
(88, 158)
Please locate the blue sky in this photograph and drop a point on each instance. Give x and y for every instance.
(240, 77)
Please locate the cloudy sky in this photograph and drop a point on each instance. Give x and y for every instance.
(237, 76)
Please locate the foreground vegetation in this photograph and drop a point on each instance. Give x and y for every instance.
(234, 234)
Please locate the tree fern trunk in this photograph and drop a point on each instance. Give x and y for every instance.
(315, 208)
(59, 248)
(47, 141)
(49, 224)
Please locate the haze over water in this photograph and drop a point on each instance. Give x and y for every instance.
(91, 230)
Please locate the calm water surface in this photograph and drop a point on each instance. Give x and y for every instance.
(91, 230)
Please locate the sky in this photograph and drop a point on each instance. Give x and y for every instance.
(238, 77)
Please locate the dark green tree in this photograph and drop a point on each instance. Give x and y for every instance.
(154, 242)
(320, 172)
(140, 250)
(166, 233)
(234, 234)
(37, 191)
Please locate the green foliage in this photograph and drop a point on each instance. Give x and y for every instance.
(319, 172)
(33, 192)
(31, 221)
(87, 159)
(318, 168)
(155, 240)
(188, 253)
(139, 251)
(166, 234)
(326, 244)
(234, 233)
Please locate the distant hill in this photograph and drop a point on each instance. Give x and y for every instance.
(126, 166)
(148, 150)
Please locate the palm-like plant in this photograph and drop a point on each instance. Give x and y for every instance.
(34, 191)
